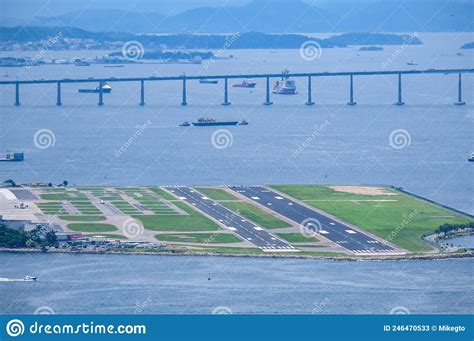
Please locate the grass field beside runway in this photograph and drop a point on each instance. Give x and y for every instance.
(296, 238)
(91, 227)
(394, 216)
(200, 238)
(194, 221)
(216, 193)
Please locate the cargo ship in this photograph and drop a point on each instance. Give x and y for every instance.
(106, 89)
(208, 81)
(202, 122)
(13, 156)
(286, 85)
(246, 83)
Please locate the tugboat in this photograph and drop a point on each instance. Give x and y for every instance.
(13, 156)
(471, 158)
(208, 81)
(185, 124)
(106, 89)
(202, 122)
(246, 83)
(286, 85)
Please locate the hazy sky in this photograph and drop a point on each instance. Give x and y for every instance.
(28, 8)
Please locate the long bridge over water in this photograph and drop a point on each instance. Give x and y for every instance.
(184, 78)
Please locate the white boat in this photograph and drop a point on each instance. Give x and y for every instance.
(285, 86)
(30, 278)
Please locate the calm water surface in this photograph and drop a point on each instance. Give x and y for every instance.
(166, 284)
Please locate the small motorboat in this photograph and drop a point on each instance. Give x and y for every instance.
(243, 123)
(208, 81)
(471, 158)
(185, 124)
(30, 278)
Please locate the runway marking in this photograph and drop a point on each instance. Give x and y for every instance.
(351, 231)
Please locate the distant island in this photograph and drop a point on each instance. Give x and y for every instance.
(468, 46)
(371, 48)
(70, 38)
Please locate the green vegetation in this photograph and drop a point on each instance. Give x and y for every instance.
(194, 221)
(162, 193)
(82, 217)
(63, 196)
(91, 227)
(402, 220)
(36, 238)
(296, 238)
(449, 228)
(256, 214)
(216, 194)
(201, 238)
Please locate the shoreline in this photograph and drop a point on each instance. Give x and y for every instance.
(281, 256)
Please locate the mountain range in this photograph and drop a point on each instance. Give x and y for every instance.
(275, 16)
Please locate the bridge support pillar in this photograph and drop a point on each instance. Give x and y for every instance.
(309, 102)
(142, 92)
(226, 93)
(101, 93)
(17, 94)
(459, 102)
(399, 99)
(351, 92)
(267, 93)
(184, 92)
(58, 95)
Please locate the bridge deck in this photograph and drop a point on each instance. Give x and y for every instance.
(271, 75)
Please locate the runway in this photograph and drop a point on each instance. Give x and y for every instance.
(232, 221)
(334, 230)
